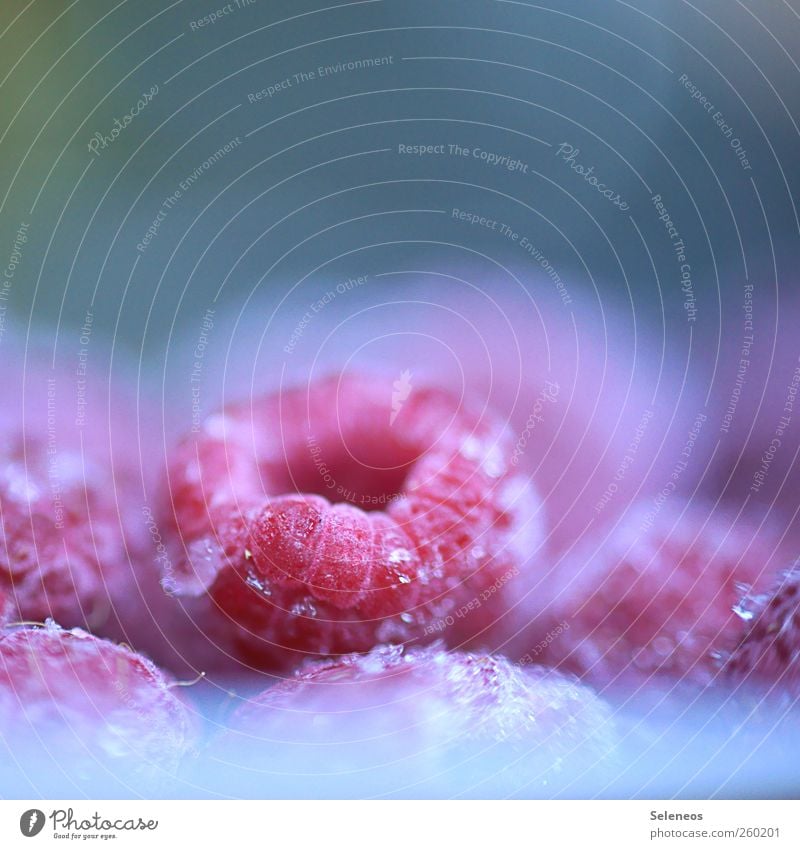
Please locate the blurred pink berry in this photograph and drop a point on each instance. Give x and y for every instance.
(416, 722)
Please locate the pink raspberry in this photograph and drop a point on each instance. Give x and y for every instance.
(653, 595)
(578, 382)
(50, 557)
(70, 526)
(5, 608)
(77, 541)
(418, 722)
(767, 657)
(326, 520)
(82, 714)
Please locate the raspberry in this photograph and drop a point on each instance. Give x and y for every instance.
(417, 722)
(390, 520)
(50, 560)
(77, 712)
(5, 608)
(654, 595)
(74, 542)
(768, 654)
(68, 529)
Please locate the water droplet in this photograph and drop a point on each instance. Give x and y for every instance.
(259, 585)
(400, 555)
(743, 611)
(304, 608)
(377, 661)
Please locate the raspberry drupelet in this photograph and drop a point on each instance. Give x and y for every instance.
(320, 520)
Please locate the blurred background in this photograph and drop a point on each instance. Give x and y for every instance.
(315, 185)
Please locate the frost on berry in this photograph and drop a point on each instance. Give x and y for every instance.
(82, 715)
(652, 595)
(71, 536)
(322, 520)
(767, 657)
(416, 722)
(50, 562)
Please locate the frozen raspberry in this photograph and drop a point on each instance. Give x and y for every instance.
(79, 714)
(5, 607)
(51, 551)
(71, 533)
(76, 544)
(655, 594)
(600, 410)
(417, 722)
(327, 520)
(768, 655)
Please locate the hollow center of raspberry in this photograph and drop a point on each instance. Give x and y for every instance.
(343, 478)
